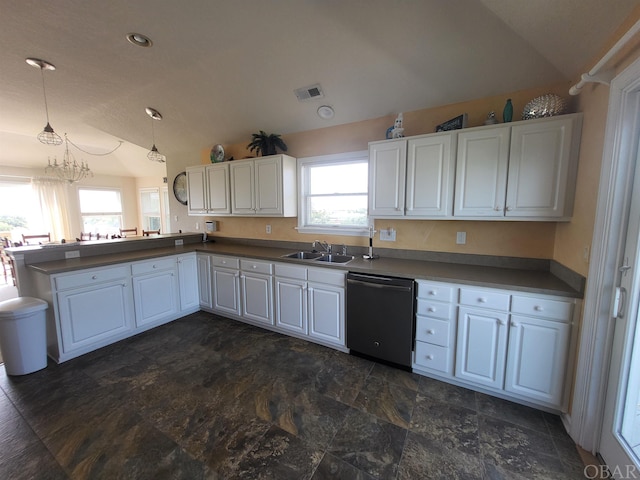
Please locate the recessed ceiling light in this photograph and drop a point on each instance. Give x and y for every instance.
(139, 39)
(326, 112)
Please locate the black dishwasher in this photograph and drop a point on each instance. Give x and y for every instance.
(380, 317)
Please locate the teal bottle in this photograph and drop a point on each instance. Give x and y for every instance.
(507, 113)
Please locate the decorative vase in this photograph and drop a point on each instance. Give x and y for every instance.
(507, 113)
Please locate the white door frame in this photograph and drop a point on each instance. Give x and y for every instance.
(614, 195)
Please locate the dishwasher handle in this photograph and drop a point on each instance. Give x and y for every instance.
(379, 285)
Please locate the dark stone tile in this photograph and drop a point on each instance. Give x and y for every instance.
(511, 412)
(447, 393)
(120, 444)
(567, 450)
(387, 401)
(332, 468)
(429, 458)
(396, 376)
(339, 382)
(518, 449)
(369, 444)
(30, 463)
(452, 426)
(278, 455)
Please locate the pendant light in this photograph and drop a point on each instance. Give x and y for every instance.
(47, 136)
(154, 155)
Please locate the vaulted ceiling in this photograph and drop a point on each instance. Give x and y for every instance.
(219, 70)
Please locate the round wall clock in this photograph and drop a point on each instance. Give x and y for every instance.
(217, 154)
(180, 188)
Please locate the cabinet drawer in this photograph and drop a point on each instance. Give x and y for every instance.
(434, 309)
(542, 307)
(484, 299)
(431, 330)
(433, 357)
(435, 291)
(226, 262)
(89, 277)
(248, 265)
(290, 271)
(326, 275)
(165, 263)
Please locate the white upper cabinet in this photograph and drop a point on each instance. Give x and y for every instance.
(526, 170)
(481, 172)
(430, 171)
(387, 177)
(539, 163)
(518, 171)
(208, 189)
(265, 186)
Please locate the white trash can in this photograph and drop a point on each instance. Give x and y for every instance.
(23, 335)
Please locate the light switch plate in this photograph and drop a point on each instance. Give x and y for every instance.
(388, 235)
(461, 238)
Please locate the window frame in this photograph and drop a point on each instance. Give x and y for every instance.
(303, 164)
(144, 217)
(105, 213)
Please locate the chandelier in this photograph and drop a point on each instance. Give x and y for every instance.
(47, 136)
(69, 170)
(154, 155)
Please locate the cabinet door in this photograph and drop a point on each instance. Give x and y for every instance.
(291, 305)
(257, 292)
(537, 358)
(326, 313)
(218, 189)
(204, 280)
(481, 172)
(226, 291)
(242, 188)
(430, 172)
(155, 297)
(538, 168)
(93, 314)
(481, 346)
(188, 281)
(197, 198)
(387, 177)
(268, 186)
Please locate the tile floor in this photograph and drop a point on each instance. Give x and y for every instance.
(208, 397)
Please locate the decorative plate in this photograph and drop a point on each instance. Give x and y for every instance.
(180, 188)
(217, 153)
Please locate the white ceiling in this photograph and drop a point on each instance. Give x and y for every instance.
(220, 70)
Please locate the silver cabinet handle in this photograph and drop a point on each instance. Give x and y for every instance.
(538, 308)
(429, 357)
(377, 344)
(94, 277)
(430, 332)
(482, 300)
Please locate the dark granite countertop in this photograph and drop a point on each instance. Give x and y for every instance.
(520, 279)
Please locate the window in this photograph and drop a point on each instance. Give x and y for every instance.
(150, 209)
(19, 208)
(333, 194)
(101, 210)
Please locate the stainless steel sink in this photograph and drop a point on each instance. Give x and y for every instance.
(303, 255)
(335, 258)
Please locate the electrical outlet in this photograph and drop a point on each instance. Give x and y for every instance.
(461, 238)
(179, 242)
(72, 254)
(197, 225)
(268, 229)
(388, 235)
(585, 253)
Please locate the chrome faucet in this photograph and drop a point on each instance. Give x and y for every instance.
(325, 246)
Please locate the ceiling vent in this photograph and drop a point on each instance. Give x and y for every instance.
(308, 93)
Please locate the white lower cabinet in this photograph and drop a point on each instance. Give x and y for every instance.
(94, 307)
(290, 296)
(256, 291)
(188, 281)
(155, 290)
(225, 279)
(326, 306)
(310, 303)
(515, 345)
(204, 279)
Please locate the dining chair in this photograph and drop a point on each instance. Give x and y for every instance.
(124, 231)
(8, 268)
(146, 233)
(86, 236)
(36, 239)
